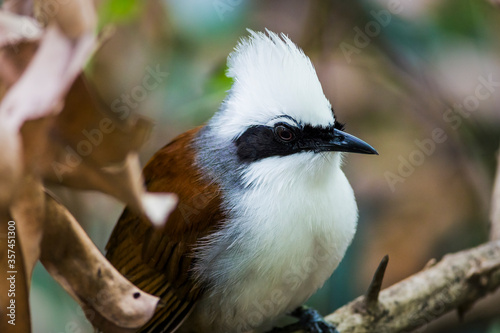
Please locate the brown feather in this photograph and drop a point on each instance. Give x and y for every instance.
(160, 261)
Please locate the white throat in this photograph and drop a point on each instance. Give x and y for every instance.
(287, 231)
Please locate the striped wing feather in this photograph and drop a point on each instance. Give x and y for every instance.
(159, 261)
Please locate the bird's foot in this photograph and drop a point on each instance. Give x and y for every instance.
(309, 320)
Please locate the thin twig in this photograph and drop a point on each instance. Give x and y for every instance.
(371, 297)
(495, 205)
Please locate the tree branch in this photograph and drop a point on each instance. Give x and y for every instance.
(456, 282)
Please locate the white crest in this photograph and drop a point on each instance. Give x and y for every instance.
(272, 78)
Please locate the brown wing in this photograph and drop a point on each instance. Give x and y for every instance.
(159, 261)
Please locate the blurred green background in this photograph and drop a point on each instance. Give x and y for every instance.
(396, 72)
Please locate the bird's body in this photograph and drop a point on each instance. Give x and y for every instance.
(278, 252)
(265, 213)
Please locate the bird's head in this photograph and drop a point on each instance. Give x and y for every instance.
(276, 111)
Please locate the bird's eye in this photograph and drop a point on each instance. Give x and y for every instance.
(284, 133)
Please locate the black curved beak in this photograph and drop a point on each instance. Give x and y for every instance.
(348, 143)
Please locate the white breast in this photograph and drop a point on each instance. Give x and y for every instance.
(289, 230)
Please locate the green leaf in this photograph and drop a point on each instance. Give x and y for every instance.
(119, 11)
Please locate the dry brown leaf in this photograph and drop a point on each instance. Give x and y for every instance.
(21, 7)
(38, 76)
(85, 148)
(16, 28)
(75, 17)
(28, 210)
(89, 149)
(109, 300)
(76, 145)
(93, 134)
(13, 61)
(158, 206)
(46, 81)
(11, 165)
(13, 283)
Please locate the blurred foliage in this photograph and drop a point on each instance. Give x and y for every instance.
(394, 91)
(119, 11)
(465, 18)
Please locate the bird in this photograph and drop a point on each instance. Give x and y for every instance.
(265, 212)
